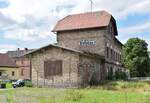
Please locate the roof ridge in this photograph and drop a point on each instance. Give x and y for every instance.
(83, 13)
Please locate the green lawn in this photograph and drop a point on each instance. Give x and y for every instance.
(92, 95)
(109, 92)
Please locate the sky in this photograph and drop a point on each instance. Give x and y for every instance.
(28, 23)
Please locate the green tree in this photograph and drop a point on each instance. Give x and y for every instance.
(135, 57)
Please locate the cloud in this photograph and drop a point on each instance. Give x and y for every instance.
(25, 35)
(136, 29)
(121, 9)
(32, 20)
(140, 30)
(5, 21)
(5, 47)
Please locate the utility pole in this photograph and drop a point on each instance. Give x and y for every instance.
(91, 5)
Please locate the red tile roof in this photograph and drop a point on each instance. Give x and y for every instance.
(83, 21)
(6, 61)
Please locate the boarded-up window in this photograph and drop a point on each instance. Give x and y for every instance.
(111, 54)
(13, 73)
(107, 52)
(52, 68)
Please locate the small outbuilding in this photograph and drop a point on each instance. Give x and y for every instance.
(63, 67)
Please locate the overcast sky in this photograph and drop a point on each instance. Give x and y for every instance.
(28, 23)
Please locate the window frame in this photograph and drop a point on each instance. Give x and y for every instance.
(13, 73)
(53, 68)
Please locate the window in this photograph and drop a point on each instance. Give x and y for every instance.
(13, 73)
(120, 57)
(107, 52)
(115, 56)
(111, 54)
(111, 29)
(0, 73)
(52, 68)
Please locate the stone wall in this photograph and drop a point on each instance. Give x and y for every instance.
(72, 39)
(90, 71)
(70, 62)
(112, 43)
(103, 37)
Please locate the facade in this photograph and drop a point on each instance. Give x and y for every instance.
(8, 68)
(22, 62)
(95, 33)
(86, 52)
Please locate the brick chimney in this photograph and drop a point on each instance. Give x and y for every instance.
(18, 50)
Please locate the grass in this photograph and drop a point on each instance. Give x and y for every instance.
(124, 92)
(126, 85)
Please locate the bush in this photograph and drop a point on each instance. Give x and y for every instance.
(132, 85)
(8, 85)
(28, 84)
(119, 75)
(73, 95)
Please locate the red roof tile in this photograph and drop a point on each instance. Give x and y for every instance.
(6, 61)
(83, 21)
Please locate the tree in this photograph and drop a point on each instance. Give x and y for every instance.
(135, 57)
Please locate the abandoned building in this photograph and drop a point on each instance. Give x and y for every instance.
(8, 68)
(86, 51)
(23, 63)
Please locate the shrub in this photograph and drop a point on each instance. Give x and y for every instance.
(132, 85)
(73, 95)
(119, 75)
(110, 85)
(8, 85)
(28, 84)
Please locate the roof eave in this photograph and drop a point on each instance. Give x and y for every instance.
(61, 30)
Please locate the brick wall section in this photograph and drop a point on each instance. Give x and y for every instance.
(70, 61)
(90, 69)
(24, 67)
(71, 39)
